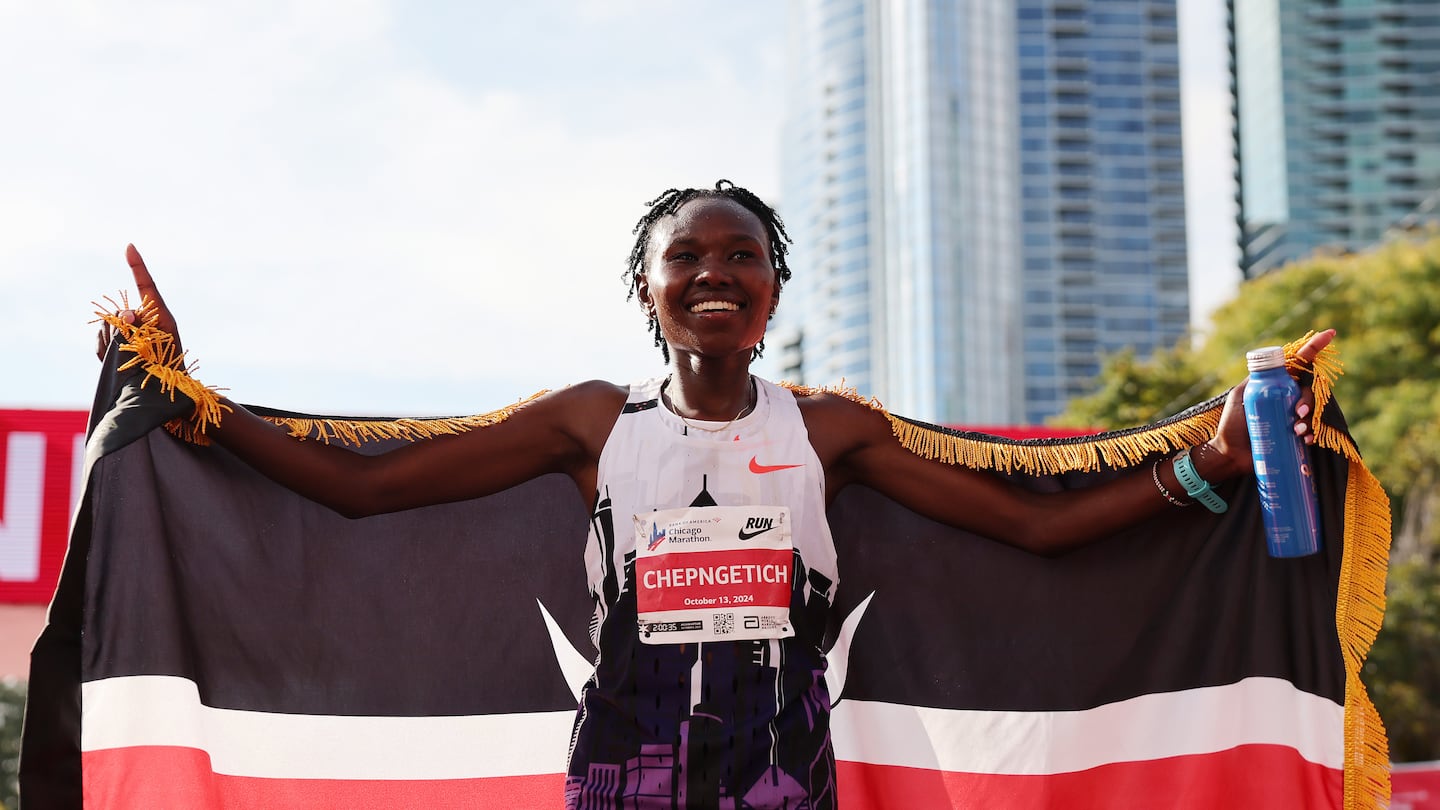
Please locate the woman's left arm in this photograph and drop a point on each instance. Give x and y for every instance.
(856, 445)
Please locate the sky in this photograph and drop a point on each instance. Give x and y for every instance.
(368, 207)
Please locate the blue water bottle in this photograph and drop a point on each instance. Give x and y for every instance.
(1282, 464)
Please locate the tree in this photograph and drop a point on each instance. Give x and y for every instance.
(1403, 669)
(12, 709)
(1385, 303)
(1134, 391)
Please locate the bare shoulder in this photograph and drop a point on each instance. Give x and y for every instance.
(581, 397)
(839, 425)
(826, 409)
(587, 410)
(591, 393)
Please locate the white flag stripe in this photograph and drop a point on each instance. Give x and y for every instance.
(1167, 724)
(164, 710)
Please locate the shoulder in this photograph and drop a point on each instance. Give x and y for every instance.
(585, 412)
(827, 408)
(587, 401)
(840, 422)
(591, 393)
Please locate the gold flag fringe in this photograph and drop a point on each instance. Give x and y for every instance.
(1039, 457)
(1117, 449)
(158, 354)
(359, 431)
(1359, 612)
(160, 357)
(1326, 369)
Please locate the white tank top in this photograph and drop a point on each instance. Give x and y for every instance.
(714, 723)
(654, 460)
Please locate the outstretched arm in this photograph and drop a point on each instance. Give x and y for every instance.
(856, 445)
(560, 432)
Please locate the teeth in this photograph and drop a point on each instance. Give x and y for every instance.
(713, 306)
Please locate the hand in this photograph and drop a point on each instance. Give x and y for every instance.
(107, 334)
(1232, 438)
(148, 292)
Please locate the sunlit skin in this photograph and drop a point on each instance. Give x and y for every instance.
(714, 250)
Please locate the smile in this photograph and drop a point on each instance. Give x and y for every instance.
(715, 306)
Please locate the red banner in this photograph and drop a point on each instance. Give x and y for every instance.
(1415, 786)
(41, 455)
(714, 579)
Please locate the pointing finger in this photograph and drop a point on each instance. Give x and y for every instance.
(150, 299)
(143, 282)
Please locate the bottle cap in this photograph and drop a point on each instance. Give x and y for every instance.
(1266, 358)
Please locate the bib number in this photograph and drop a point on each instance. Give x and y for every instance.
(713, 573)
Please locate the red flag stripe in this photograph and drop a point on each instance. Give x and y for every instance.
(161, 777)
(166, 711)
(157, 777)
(1246, 776)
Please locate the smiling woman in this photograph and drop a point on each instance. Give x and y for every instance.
(709, 489)
(675, 245)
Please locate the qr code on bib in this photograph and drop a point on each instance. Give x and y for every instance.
(724, 624)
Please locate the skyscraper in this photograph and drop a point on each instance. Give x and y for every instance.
(826, 322)
(985, 195)
(1337, 121)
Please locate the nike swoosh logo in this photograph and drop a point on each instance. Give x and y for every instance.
(760, 469)
(744, 535)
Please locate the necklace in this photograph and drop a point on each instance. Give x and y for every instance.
(749, 406)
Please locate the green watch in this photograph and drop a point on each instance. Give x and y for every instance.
(1195, 486)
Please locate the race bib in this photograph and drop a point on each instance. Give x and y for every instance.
(713, 573)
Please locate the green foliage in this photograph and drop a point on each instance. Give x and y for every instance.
(1385, 305)
(1135, 392)
(12, 710)
(1403, 670)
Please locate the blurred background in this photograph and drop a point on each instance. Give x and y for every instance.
(1005, 212)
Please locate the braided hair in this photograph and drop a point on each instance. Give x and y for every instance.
(668, 203)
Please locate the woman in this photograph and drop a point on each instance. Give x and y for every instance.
(709, 489)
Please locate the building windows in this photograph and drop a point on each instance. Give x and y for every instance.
(1073, 95)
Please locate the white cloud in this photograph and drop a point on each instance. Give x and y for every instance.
(315, 205)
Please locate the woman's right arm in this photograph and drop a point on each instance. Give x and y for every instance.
(543, 437)
(562, 431)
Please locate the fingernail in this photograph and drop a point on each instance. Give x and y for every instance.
(1303, 411)
(1300, 428)
(128, 316)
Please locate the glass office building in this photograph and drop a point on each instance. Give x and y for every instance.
(985, 196)
(833, 309)
(1337, 106)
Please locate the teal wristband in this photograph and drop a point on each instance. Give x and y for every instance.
(1195, 486)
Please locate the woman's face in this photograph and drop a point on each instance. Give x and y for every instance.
(709, 278)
